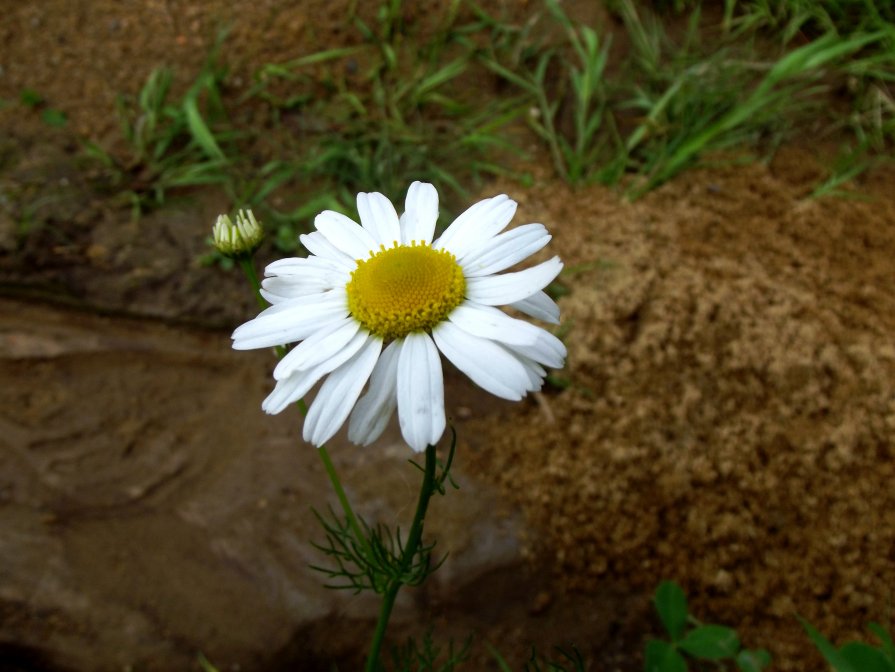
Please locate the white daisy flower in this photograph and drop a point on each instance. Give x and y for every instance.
(376, 302)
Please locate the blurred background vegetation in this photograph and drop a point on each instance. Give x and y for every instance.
(657, 89)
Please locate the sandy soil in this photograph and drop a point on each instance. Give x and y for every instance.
(727, 416)
(731, 406)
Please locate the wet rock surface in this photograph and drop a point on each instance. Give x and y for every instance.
(152, 511)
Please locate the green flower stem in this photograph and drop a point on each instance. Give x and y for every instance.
(245, 261)
(343, 500)
(414, 541)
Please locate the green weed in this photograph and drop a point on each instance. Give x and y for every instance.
(534, 663)
(790, 18)
(379, 115)
(30, 98)
(49, 115)
(415, 120)
(869, 84)
(169, 144)
(584, 152)
(53, 117)
(864, 80)
(850, 163)
(692, 643)
(671, 102)
(205, 664)
(856, 656)
(428, 656)
(731, 117)
(405, 104)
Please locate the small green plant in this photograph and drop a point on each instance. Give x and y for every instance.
(574, 659)
(206, 664)
(259, 188)
(584, 152)
(856, 656)
(379, 559)
(403, 115)
(427, 656)
(713, 105)
(31, 98)
(695, 645)
(170, 144)
(789, 18)
(410, 117)
(50, 115)
(534, 663)
(671, 102)
(848, 164)
(863, 80)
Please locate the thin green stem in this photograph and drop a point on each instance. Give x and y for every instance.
(343, 500)
(249, 269)
(414, 541)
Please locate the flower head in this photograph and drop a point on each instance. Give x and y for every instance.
(241, 238)
(373, 304)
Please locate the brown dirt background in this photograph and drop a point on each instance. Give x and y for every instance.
(730, 417)
(731, 402)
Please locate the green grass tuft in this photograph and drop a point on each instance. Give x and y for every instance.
(633, 103)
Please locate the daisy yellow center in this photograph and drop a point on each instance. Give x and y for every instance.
(405, 288)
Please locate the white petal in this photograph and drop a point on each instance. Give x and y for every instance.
(292, 320)
(489, 322)
(420, 392)
(488, 365)
(371, 414)
(286, 392)
(289, 304)
(290, 278)
(274, 299)
(301, 267)
(505, 250)
(317, 348)
(279, 292)
(297, 385)
(345, 235)
(539, 306)
(535, 373)
(378, 217)
(308, 281)
(338, 393)
(497, 290)
(477, 225)
(317, 244)
(420, 213)
(548, 350)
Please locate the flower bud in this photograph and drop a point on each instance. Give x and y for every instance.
(239, 239)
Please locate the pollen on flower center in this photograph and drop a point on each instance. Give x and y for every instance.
(405, 288)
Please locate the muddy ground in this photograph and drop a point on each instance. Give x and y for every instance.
(726, 417)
